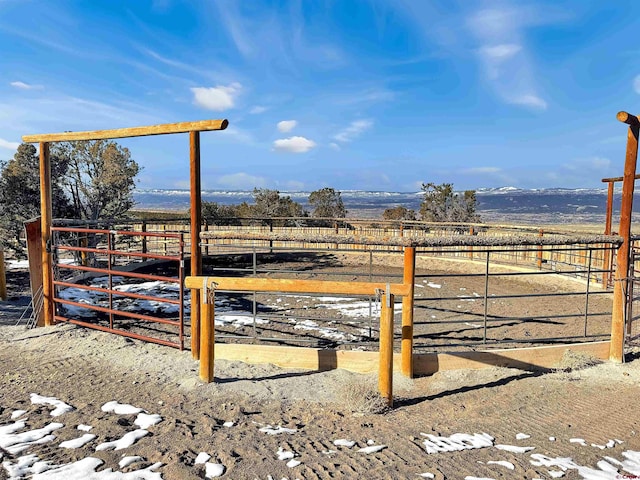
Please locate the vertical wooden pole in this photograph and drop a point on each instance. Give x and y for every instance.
(540, 234)
(196, 256)
(207, 336)
(472, 233)
(46, 214)
(616, 352)
(385, 372)
(144, 238)
(3, 277)
(606, 261)
(408, 278)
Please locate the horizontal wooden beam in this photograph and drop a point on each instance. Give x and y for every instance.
(162, 129)
(627, 118)
(284, 285)
(533, 358)
(617, 179)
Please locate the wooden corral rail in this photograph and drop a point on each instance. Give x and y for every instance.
(387, 292)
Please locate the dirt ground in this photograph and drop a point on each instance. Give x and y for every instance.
(87, 368)
(566, 414)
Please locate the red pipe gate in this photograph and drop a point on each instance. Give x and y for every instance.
(97, 253)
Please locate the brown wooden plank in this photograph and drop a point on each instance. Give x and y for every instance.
(3, 277)
(523, 358)
(162, 129)
(284, 285)
(33, 231)
(424, 364)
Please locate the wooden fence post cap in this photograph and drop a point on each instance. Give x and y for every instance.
(627, 118)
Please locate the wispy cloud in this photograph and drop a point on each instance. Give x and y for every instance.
(217, 98)
(636, 84)
(8, 145)
(287, 125)
(294, 145)
(258, 109)
(335, 146)
(501, 33)
(26, 86)
(354, 130)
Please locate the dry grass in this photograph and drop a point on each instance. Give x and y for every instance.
(359, 394)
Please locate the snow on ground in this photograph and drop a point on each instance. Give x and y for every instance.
(16, 438)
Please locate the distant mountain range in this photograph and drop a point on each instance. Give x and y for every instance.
(515, 205)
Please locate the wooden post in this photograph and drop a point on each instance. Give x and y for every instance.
(472, 233)
(616, 352)
(540, 234)
(46, 214)
(385, 372)
(606, 261)
(144, 238)
(3, 277)
(207, 336)
(408, 278)
(196, 257)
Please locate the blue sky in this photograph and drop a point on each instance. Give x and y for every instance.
(375, 95)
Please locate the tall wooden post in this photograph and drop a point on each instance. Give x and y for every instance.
(616, 352)
(408, 278)
(46, 214)
(207, 336)
(539, 261)
(3, 277)
(385, 372)
(196, 256)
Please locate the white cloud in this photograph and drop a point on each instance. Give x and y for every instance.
(26, 86)
(500, 52)
(636, 84)
(237, 134)
(258, 109)
(501, 35)
(287, 125)
(528, 100)
(218, 98)
(335, 146)
(8, 145)
(354, 130)
(294, 145)
(241, 181)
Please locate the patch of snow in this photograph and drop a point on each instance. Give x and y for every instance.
(372, 449)
(522, 436)
(15, 443)
(284, 454)
(474, 325)
(343, 442)
(145, 420)
(552, 439)
(371, 442)
(126, 441)
(213, 470)
(293, 463)
(84, 428)
(579, 441)
(78, 442)
(85, 469)
(237, 319)
(203, 457)
(120, 408)
(130, 460)
(60, 407)
(426, 475)
(17, 414)
(456, 442)
(433, 285)
(514, 448)
(503, 463)
(228, 424)
(269, 430)
(326, 332)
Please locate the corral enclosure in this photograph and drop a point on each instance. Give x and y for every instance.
(480, 287)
